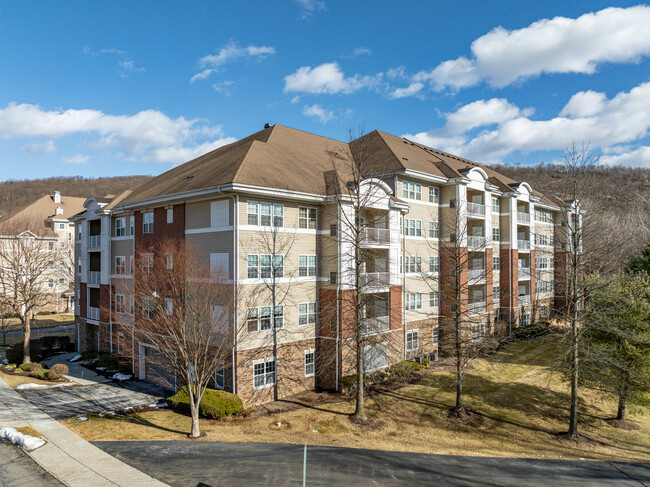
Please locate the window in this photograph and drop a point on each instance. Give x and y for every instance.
(50, 245)
(147, 264)
(413, 301)
(309, 363)
(433, 229)
(252, 265)
(220, 265)
(496, 235)
(496, 293)
(259, 319)
(542, 286)
(413, 264)
(219, 381)
(334, 277)
(169, 261)
(119, 303)
(412, 339)
(268, 213)
(541, 262)
(219, 214)
(132, 225)
(496, 205)
(120, 265)
(120, 338)
(434, 299)
(265, 317)
(131, 305)
(252, 319)
(120, 227)
(169, 306)
(170, 215)
(307, 218)
(412, 190)
(271, 266)
(278, 215)
(478, 331)
(252, 209)
(147, 222)
(434, 264)
(333, 231)
(435, 335)
(552, 263)
(130, 269)
(307, 313)
(434, 194)
(412, 227)
(147, 308)
(264, 373)
(375, 357)
(307, 265)
(543, 311)
(525, 319)
(278, 317)
(61, 226)
(496, 264)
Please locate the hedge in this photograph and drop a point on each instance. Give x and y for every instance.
(214, 404)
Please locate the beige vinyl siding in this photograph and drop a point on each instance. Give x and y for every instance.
(197, 214)
(122, 247)
(212, 243)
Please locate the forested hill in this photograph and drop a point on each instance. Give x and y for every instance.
(17, 194)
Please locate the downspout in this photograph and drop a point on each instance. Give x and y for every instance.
(510, 290)
(235, 281)
(338, 317)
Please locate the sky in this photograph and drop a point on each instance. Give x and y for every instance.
(118, 88)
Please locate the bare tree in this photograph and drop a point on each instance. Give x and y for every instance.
(29, 255)
(183, 311)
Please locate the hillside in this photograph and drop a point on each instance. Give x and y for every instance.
(16, 194)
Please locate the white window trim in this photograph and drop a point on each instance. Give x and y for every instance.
(411, 332)
(264, 361)
(312, 351)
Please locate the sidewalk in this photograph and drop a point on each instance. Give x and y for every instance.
(69, 458)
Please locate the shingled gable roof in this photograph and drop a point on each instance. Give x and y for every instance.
(45, 208)
(280, 157)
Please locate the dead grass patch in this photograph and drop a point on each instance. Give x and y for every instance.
(28, 430)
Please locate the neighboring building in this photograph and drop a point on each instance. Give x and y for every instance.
(46, 222)
(285, 181)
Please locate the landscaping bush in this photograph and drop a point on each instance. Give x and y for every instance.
(45, 313)
(348, 383)
(406, 369)
(108, 361)
(426, 363)
(40, 348)
(40, 374)
(214, 404)
(57, 371)
(531, 331)
(89, 355)
(30, 366)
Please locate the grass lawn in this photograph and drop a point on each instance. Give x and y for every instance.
(45, 321)
(14, 380)
(523, 406)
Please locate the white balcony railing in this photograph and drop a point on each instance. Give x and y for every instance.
(524, 299)
(523, 244)
(93, 313)
(475, 209)
(476, 275)
(94, 277)
(476, 243)
(476, 308)
(524, 273)
(93, 241)
(523, 217)
(378, 324)
(370, 280)
(375, 236)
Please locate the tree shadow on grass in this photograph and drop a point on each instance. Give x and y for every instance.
(137, 419)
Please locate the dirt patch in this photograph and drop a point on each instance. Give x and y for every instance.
(370, 422)
(280, 425)
(28, 430)
(623, 424)
(466, 416)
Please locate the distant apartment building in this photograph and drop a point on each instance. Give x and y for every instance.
(285, 185)
(46, 226)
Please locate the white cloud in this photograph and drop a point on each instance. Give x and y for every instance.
(410, 90)
(309, 7)
(126, 65)
(231, 51)
(358, 51)
(558, 45)
(76, 159)
(316, 111)
(639, 157)
(149, 135)
(622, 119)
(39, 149)
(326, 78)
(223, 87)
(584, 104)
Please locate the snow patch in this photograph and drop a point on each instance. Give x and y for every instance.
(25, 441)
(82, 418)
(161, 405)
(5, 361)
(75, 358)
(101, 368)
(121, 377)
(32, 385)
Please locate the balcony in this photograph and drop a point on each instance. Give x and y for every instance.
(524, 299)
(475, 209)
(524, 273)
(523, 244)
(374, 280)
(476, 276)
(93, 313)
(476, 243)
(94, 277)
(378, 324)
(476, 308)
(375, 236)
(523, 218)
(93, 241)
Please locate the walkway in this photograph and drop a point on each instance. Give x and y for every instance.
(18, 470)
(69, 458)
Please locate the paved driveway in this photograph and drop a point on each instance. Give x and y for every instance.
(67, 402)
(18, 470)
(184, 463)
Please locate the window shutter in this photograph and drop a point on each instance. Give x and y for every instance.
(220, 260)
(219, 213)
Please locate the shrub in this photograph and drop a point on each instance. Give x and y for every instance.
(406, 369)
(426, 363)
(30, 366)
(40, 374)
(214, 404)
(348, 383)
(57, 371)
(89, 355)
(108, 361)
(531, 331)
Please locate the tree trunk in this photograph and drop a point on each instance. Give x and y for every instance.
(622, 404)
(459, 369)
(573, 410)
(27, 334)
(195, 432)
(359, 412)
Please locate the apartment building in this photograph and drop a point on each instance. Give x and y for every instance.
(46, 226)
(275, 206)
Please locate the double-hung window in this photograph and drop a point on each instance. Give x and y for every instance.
(147, 308)
(307, 218)
(434, 194)
(413, 264)
(147, 264)
(252, 210)
(253, 262)
(147, 222)
(412, 228)
(219, 378)
(264, 373)
(269, 266)
(478, 331)
(264, 213)
(310, 363)
(307, 265)
(132, 225)
(434, 300)
(413, 301)
(412, 191)
(412, 340)
(496, 264)
(120, 265)
(170, 215)
(253, 319)
(434, 264)
(496, 205)
(119, 303)
(307, 313)
(496, 293)
(436, 335)
(120, 227)
(496, 235)
(433, 229)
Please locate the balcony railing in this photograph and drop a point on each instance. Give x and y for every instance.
(375, 236)
(476, 243)
(378, 324)
(476, 308)
(523, 244)
(476, 275)
(93, 313)
(93, 241)
(523, 217)
(524, 299)
(475, 209)
(370, 280)
(94, 277)
(524, 273)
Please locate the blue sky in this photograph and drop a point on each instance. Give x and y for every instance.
(114, 88)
